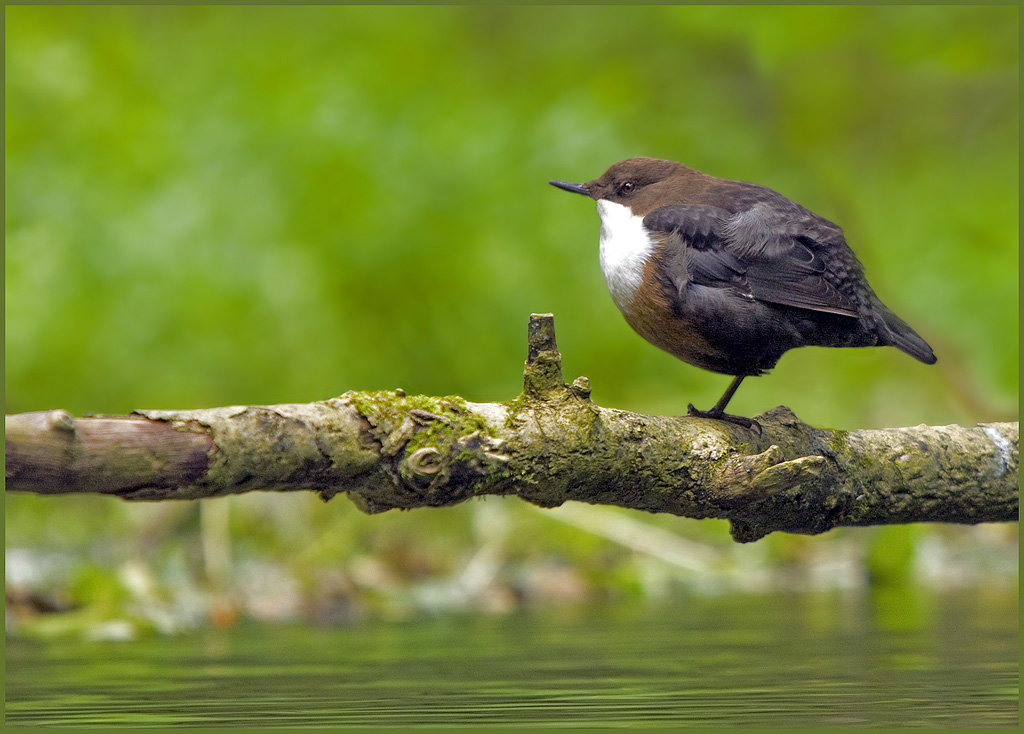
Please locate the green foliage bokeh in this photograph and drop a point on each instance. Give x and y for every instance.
(237, 205)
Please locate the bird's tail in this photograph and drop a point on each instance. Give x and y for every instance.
(899, 334)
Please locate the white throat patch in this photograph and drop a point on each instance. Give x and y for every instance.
(625, 248)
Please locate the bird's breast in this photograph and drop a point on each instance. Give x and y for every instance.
(625, 249)
(634, 268)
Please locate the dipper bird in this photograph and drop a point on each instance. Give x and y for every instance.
(728, 275)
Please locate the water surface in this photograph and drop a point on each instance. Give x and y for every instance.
(932, 660)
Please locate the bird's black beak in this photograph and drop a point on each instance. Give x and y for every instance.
(575, 188)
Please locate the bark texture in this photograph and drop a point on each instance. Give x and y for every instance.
(388, 450)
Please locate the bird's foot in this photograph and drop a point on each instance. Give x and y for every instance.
(719, 415)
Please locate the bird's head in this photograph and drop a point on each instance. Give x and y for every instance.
(640, 184)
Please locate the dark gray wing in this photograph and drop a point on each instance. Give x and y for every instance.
(773, 255)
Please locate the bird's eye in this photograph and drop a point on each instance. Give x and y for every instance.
(627, 187)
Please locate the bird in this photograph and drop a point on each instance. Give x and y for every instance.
(729, 275)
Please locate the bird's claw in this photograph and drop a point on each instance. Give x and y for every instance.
(739, 420)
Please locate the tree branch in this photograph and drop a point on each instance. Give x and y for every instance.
(551, 444)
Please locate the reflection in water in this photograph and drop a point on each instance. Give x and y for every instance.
(782, 660)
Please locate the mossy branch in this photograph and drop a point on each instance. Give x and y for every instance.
(389, 450)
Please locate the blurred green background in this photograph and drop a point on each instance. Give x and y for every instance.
(244, 205)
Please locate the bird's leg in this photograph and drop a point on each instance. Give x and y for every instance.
(718, 412)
